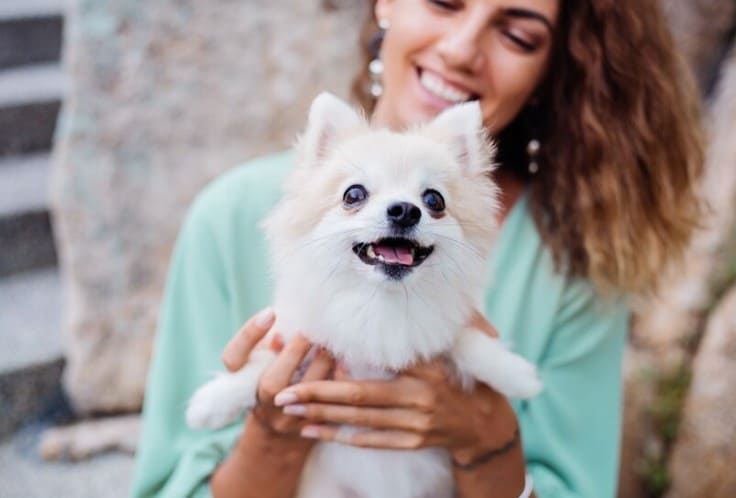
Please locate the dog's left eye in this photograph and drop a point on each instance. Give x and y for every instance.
(354, 195)
(433, 200)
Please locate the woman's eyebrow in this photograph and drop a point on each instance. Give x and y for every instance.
(529, 14)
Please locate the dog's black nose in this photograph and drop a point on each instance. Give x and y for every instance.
(404, 214)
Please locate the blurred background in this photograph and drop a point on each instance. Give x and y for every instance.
(115, 113)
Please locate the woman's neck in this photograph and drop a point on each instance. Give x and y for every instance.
(511, 189)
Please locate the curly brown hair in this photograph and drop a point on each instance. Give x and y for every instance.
(616, 196)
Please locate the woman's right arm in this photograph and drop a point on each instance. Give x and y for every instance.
(218, 277)
(268, 458)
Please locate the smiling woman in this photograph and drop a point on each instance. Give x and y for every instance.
(599, 155)
(439, 53)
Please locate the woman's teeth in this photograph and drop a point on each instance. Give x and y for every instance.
(438, 87)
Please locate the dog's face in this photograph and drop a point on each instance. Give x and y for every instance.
(389, 207)
(380, 243)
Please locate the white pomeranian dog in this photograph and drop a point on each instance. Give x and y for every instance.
(380, 252)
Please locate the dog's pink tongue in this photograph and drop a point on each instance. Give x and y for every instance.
(400, 255)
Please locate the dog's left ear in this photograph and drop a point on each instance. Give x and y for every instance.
(461, 126)
(329, 117)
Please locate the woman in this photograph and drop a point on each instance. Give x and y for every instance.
(599, 156)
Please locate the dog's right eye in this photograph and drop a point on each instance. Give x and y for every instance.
(354, 195)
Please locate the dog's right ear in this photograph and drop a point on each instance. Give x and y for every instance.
(329, 117)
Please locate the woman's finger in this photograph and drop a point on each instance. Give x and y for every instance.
(374, 418)
(320, 367)
(280, 372)
(398, 440)
(478, 321)
(404, 392)
(435, 371)
(277, 343)
(236, 353)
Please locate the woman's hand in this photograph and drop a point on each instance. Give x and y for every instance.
(268, 458)
(279, 373)
(423, 406)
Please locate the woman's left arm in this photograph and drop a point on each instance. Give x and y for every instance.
(423, 407)
(427, 408)
(570, 431)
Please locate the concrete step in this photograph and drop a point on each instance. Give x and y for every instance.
(24, 183)
(24, 475)
(31, 31)
(30, 319)
(25, 226)
(31, 348)
(30, 99)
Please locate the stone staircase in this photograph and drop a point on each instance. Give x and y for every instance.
(31, 88)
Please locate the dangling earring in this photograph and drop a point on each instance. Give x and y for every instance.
(534, 119)
(532, 150)
(375, 66)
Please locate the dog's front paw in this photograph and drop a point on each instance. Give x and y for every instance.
(519, 379)
(488, 360)
(214, 405)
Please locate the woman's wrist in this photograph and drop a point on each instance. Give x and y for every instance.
(262, 459)
(472, 458)
(505, 474)
(496, 458)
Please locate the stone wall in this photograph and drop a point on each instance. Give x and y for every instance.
(670, 336)
(165, 95)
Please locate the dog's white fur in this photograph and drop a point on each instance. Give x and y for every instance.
(375, 324)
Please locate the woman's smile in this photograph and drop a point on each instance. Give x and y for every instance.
(438, 54)
(440, 92)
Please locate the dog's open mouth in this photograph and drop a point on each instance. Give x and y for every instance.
(394, 252)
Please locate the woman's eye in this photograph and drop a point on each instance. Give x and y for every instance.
(443, 4)
(354, 195)
(433, 200)
(523, 44)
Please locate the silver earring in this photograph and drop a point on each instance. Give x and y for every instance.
(375, 66)
(532, 150)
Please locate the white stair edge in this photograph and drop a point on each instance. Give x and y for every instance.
(18, 9)
(24, 184)
(35, 83)
(30, 319)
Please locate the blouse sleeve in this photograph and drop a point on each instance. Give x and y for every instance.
(194, 324)
(572, 430)
(218, 277)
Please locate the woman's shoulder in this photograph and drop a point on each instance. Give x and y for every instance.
(242, 194)
(536, 305)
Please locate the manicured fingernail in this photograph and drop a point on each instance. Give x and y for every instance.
(284, 398)
(295, 409)
(310, 432)
(264, 317)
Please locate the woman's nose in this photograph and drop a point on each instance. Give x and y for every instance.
(461, 46)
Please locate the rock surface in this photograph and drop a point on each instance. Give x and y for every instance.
(702, 460)
(667, 328)
(702, 28)
(162, 98)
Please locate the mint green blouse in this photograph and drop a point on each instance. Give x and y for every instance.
(219, 277)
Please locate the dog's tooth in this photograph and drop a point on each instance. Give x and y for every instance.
(380, 258)
(370, 252)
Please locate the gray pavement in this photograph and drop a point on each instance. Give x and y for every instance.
(24, 475)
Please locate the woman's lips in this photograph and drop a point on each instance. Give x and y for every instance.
(438, 91)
